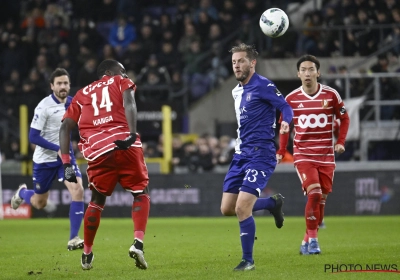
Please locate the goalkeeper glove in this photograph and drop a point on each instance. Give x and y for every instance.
(127, 142)
(69, 173)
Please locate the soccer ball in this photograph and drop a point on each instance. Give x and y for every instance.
(274, 22)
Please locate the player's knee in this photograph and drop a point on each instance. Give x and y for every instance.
(39, 203)
(227, 211)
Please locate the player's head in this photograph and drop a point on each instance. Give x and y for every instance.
(308, 70)
(60, 83)
(308, 57)
(243, 61)
(110, 67)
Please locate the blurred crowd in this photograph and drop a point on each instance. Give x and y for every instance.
(173, 49)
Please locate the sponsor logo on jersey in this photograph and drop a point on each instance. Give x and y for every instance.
(300, 106)
(248, 97)
(324, 103)
(91, 87)
(312, 120)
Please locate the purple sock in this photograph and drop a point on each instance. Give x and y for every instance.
(247, 235)
(76, 211)
(26, 195)
(264, 203)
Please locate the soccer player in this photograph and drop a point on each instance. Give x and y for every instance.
(315, 108)
(105, 112)
(47, 162)
(256, 99)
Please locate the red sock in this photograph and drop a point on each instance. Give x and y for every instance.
(140, 215)
(305, 239)
(312, 212)
(91, 223)
(321, 209)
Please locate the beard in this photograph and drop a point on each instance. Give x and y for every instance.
(243, 75)
(62, 94)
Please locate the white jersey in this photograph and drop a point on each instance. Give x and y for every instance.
(47, 119)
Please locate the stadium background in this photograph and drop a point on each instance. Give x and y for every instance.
(177, 52)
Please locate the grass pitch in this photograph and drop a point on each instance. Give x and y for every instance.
(200, 248)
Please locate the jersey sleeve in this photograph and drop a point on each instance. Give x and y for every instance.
(343, 116)
(39, 118)
(73, 111)
(127, 83)
(276, 99)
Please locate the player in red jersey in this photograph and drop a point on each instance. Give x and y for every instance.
(105, 112)
(315, 107)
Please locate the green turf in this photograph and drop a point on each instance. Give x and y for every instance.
(199, 248)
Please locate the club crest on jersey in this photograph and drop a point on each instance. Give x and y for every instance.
(248, 97)
(324, 103)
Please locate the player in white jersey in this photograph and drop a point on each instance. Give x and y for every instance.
(315, 107)
(47, 164)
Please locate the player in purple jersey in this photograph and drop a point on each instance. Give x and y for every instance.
(256, 100)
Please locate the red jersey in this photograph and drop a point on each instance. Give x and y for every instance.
(313, 119)
(99, 112)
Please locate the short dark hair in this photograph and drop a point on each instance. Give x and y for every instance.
(58, 73)
(106, 65)
(250, 50)
(307, 57)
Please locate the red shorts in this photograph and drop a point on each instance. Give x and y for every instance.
(312, 173)
(126, 167)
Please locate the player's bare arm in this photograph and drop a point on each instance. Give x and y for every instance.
(130, 109)
(131, 118)
(65, 131)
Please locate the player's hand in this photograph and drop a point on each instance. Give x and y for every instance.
(339, 148)
(279, 158)
(127, 142)
(69, 173)
(284, 128)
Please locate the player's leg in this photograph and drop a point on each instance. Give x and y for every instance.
(274, 205)
(140, 216)
(312, 214)
(76, 212)
(308, 175)
(326, 174)
(133, 177)
(322, 203)
(76, 208)
(228, 204)
(244, 210)
(91, 224)
(22, 194)
(255, 179)
(103, 177)
(230, 190)
(42, 180)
